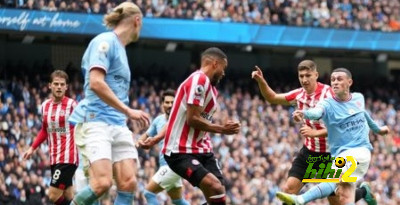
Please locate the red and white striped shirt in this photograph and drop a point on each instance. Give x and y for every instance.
(180, 137)
(58, 131)
(305, 101)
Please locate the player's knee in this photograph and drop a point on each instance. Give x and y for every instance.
(53, 196)
(128, 184)
(290, 189)
(217, 188)
(101, 185)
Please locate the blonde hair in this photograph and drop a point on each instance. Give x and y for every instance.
(122, 11)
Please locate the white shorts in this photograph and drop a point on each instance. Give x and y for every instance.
(166, 178)
(363, 156)
(98, 140)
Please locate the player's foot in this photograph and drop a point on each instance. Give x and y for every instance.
(288, 199)
(369, 196)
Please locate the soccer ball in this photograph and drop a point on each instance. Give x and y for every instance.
(340, 162)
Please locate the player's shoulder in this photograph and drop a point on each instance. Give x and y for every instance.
(68, 100)
(197, 77)
(105, 40)
(159, 117)
(323, 85)
(357, 95)
(47, 101)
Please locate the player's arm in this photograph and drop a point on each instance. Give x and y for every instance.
(141, 139)
(151, 141)
(374, 126)
(40, 138)
(312, 114)
(194, 119)
(310, 132)
(266, 90)
(99, 86)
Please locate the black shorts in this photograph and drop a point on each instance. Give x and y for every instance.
(194, 167)
(299, 165)
(61, 175)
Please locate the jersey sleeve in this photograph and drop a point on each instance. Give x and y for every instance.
(291, 96)
(152, 130)
(40, 138)
(371, 123)
(318, 111)
(196, 89)
(101, 52)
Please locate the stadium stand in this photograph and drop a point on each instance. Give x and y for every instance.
(255, 162)
(375, 15)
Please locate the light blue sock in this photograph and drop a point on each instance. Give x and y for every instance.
(150, 197)
(97, 202)
(86, 196)
(124, 198)
(180, 201)
(320, 191)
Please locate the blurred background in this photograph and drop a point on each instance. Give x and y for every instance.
(38, 36)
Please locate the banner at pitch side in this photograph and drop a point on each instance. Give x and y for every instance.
(204, 31)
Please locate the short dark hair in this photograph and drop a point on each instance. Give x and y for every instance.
(168, 92)
(307, 65)
(344, 70)
(214, 52)
(60, 74)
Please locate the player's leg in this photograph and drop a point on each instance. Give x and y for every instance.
(319, 191)
(151, 191)
(296, 173)
(81, 178)
(346, 193)
(56, 196)
(125, 163)
(191, 168)
(172, 182)
(61, 181)
(96, 147)
(125, 178)
(217, 196)
(176, 195)
(153, 187)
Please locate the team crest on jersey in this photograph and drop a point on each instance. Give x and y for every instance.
(195, 162)
(199, 90)
(62, 113)
(104, 47)
(358, 103)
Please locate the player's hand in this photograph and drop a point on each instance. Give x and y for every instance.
(140, 116)
(257, 74)
(148, 143)
(28, 153)
(231, 128)
(297, 115)
(384, 130)
(307, 131)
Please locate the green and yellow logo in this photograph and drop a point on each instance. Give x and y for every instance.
(325, 173)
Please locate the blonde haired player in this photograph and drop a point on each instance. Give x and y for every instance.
(102, 135)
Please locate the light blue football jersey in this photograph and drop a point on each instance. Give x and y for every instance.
(105, 51)
(347, 122)
(154, 129)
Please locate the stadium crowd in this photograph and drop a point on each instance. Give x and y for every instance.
(254, 162)
(382, 15)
